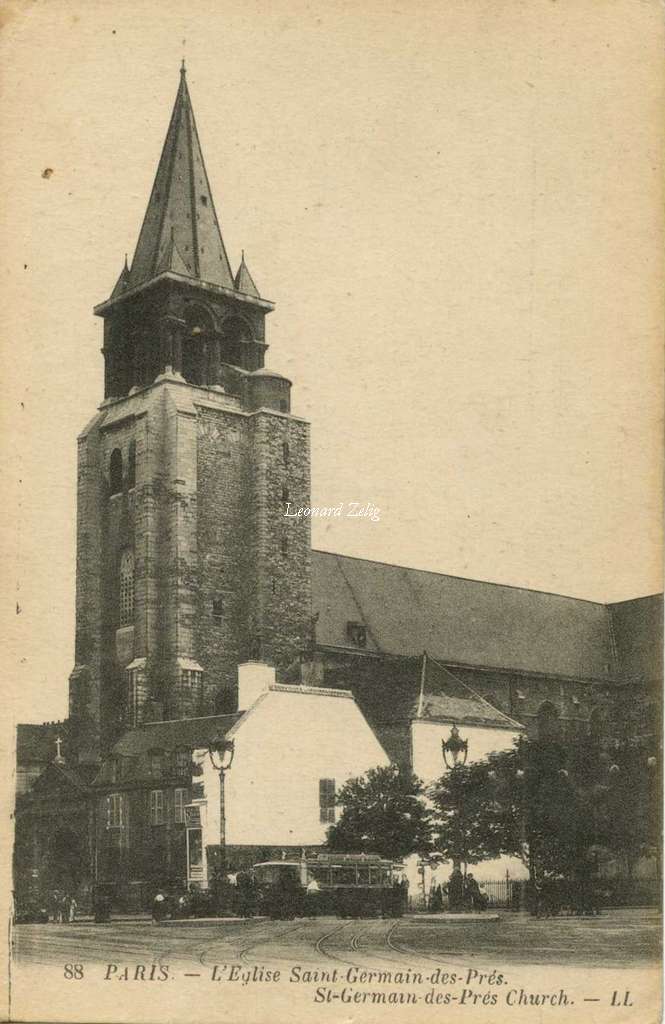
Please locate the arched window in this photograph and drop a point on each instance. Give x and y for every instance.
(236, 332)
(131, 465)
(235, 328)
(115, 471)
(549, 728)
(199, 327)
(126, 596)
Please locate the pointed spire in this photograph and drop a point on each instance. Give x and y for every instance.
(122, 284)
(243, 280)
(180, 225)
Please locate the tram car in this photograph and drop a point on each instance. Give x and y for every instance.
(341, 884)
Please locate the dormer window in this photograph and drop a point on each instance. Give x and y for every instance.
(356, 633)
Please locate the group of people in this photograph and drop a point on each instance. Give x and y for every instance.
(62, 907)
(463, 892)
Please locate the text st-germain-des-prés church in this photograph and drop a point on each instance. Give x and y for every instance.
(203, 615)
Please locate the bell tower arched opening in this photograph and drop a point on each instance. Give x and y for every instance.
(197, 343)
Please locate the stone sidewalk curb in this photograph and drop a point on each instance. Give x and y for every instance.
(460, 918)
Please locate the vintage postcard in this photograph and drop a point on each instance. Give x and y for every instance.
(332, 350)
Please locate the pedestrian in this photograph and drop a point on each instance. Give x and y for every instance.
(472, 893)
(246, 894)
(71, 909)
(456, 891)
(184, 905)
(159, 907)
(436, 899)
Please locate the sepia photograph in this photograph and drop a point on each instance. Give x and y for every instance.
(332, 341)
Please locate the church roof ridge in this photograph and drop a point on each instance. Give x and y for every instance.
(469, 579)
(317, 691)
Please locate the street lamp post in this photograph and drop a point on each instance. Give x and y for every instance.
(455, 751)
(221, 753)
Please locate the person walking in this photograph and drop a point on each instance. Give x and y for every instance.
(456, 891)
(159, 907)
(472, 893)
(71, 909)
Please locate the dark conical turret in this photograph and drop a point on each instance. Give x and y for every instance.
(243, 280)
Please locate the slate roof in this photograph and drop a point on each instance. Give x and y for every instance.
(244, 281)
(36, 743)
(180, 225)
(637, 628)
(447, 698)
(460, 621)
(182, 732)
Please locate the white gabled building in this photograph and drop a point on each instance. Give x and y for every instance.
(294, 747)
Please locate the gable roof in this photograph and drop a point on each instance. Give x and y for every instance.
(181, 732)
(36, 743)
(59, 777)
(459, 621)
(446, 698)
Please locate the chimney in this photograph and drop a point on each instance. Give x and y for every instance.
(254, 678)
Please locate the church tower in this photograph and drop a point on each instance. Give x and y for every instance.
(186, 563)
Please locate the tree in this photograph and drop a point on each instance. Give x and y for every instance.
(522, 802)
(468, 823)
(383, 812)
(554, 805)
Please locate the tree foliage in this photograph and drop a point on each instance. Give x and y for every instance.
(469, 826)
(383, 812)
(556, 806)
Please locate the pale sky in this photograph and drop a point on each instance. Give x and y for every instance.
(457, 209)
